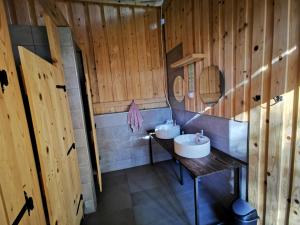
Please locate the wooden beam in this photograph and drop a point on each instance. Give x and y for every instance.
(153, 3)
(188, 60)
(56, 15)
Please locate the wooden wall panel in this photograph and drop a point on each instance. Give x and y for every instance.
(294, 213)
(123, 45)
(130, 51)
(146, 78)
(129, 38)
(100, 45)
(260, 85)
(81, 30)
(255, 44)
(283, 82)
(116, 55)
(17, 166)
(229, 65)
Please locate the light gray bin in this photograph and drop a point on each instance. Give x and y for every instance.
(244, 213)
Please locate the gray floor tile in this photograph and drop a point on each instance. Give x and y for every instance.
(115, 198)
(152, 195)
(115, 178)
(148, 181)
(152, 212)
(121, 217)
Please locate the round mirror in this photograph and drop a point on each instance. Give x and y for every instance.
(211, 85)
(178, 89)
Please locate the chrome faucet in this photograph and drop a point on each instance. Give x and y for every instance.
(199, 137)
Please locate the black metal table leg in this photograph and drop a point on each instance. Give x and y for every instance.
(196, 196)
(150, 149)
(181, 175)
(237, 182)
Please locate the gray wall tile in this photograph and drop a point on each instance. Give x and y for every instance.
(71, 78)
(119, 147)
(76, 107)
(65, 36)
(39, 35)
(21, 35)
(68, 55)
(74, 99)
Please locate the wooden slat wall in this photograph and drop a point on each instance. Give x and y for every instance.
(256, 45)
(18, 173)
(123, 46)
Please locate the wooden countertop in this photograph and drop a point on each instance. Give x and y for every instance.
(216, 161)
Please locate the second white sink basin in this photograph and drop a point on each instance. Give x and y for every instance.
(185, 145)
(167, 131)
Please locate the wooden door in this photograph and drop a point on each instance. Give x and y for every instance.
(53, 130)
(18, 175)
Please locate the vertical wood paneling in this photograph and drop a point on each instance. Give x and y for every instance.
(155, 53)
(81, 30)
(111, 15)
(256, 44)
(130, 39)
(207, 36)
(221, 51)
(124, 47)
(24, 12)
(242, 59)
(130, 52)
(124, 50)
(217, 44)
(294, 214)
(102, 58)
(260, 86)
(39, 13)
(188, 44)
(65, 8)
(144, 69)
(279, 154)
(229, 65)
(198, 48)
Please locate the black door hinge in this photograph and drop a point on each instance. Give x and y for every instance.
(3, 79)
(80, 199)
(70, 149)
(61, 87)
(28, 206)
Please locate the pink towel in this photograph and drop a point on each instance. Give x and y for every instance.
(134, 117)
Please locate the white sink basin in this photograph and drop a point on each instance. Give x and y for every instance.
(186, 146)
(167, 131)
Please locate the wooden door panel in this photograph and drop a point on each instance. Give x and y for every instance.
(17, 167)
(54, 136)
